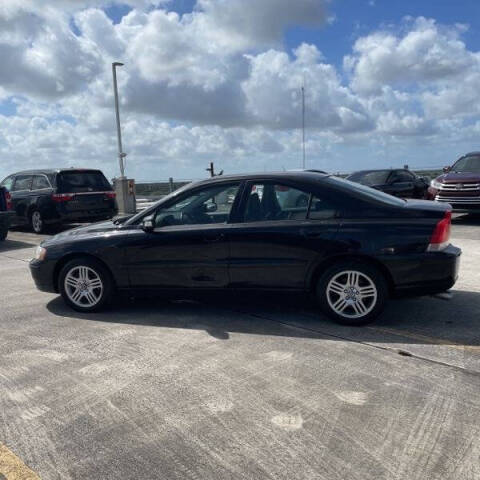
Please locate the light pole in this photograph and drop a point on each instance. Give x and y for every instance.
(121, 155)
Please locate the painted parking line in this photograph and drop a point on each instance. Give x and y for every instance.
(12, 468)
(427, 339)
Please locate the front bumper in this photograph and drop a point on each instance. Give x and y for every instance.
(424, 273)
(43, 275)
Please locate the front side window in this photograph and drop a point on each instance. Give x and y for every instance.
(22, 182)
(207, 206)
(273, 202)
(40, 182)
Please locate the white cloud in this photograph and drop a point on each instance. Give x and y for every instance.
(217, 84)
(425, 53)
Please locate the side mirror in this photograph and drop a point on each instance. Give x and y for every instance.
(147, 224)
(446, 169)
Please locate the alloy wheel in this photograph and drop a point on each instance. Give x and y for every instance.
(351, 294)
(37, 221)
(83, 286)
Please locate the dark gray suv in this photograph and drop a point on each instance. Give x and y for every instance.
(44, 197)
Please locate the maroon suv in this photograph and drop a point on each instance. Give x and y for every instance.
(459, 185)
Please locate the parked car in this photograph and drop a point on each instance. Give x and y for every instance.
(352, 246)
(398, 182)
(45, 197)
(459, 185)
(5, 212)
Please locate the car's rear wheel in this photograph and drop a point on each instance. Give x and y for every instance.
(85, 284)
(36, 221)
(352, 293)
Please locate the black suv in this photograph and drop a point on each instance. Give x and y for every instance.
(43, 197)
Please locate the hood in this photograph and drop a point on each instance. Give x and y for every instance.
(460, 177)
(91, 230)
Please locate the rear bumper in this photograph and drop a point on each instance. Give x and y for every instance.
(85, 215)
(425, 273)
(43, 275)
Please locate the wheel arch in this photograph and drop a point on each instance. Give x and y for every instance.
(72, 256)
(328, 262)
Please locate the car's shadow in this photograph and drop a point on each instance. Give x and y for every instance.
(466, 219)
(14, 245)
(423, 320)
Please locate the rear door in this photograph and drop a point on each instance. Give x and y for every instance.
(89, 192)
(278, 238)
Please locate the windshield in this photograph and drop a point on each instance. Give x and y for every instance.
(373, 177)
(470, 164)
(365, 191)
(77, 182)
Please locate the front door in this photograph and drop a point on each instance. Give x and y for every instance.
(188, 246)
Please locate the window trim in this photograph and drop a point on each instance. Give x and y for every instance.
(190, 192)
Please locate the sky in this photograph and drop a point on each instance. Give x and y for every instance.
(387, 83)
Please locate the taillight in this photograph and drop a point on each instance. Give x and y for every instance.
(62, 197)
(110, 195)
(8, 200)
(441, 233)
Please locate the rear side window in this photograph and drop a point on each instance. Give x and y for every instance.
(22, 182)
(321, 209)
(40, 182)
(77, 182)
(273, 202)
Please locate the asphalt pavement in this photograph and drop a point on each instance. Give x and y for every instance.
(239, 387)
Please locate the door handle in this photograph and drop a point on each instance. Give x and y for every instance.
(214, 238)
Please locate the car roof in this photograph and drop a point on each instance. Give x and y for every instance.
(302, 175)
(378, 170)
(51, 171)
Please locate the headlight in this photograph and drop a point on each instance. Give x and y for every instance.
(435, 184)
(40, 253)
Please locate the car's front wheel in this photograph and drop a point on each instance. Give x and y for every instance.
(352, 293)
(85, 284)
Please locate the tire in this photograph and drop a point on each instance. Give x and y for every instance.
(37, 223)
(85, 285)
(3, 232)
(339, 293)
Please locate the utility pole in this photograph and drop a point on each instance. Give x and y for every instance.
(303, 122)
(121, 155)
(124, 188)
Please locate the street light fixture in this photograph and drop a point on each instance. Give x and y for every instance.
(121, 155)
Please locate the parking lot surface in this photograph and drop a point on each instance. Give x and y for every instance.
(239, 387)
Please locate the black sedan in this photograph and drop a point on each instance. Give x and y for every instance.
(398, 182)
(350, 245)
